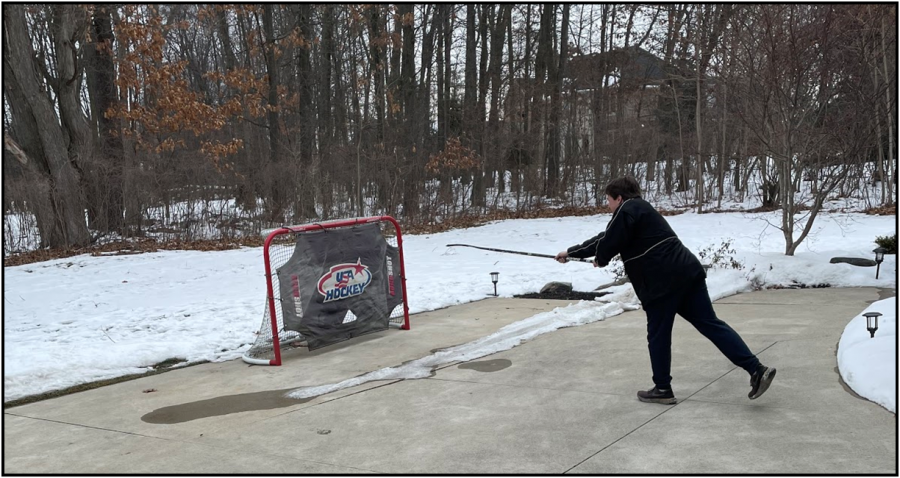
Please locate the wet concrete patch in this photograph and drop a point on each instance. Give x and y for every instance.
(883, 293)
(214, 407)
(486, 365)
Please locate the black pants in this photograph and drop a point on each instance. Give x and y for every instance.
(695, 306)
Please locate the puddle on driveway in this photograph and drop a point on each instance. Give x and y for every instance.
(213, 407)
(486, 365)
(267, 400)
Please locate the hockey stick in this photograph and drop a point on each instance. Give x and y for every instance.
(533, 254)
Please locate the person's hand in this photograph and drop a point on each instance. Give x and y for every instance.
(562, 257)
(595, 263)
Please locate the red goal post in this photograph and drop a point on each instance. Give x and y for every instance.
(278, 249)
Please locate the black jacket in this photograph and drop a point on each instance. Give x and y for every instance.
(656, 261)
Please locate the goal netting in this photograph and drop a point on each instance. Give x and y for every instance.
(329, 282)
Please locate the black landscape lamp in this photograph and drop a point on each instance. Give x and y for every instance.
(495, 276)
(879, 257)
(872, 322)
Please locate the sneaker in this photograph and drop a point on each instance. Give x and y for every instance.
(656, 395)
(760, 381)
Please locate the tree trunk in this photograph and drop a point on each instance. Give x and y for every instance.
(273, 121)
(889, 197)
(61, 221)
(103, 95)
(697, 116)
(478, 183)
(407, 91)
(598, 114)
(340, 92)
(554, 82)
(245, 195)
(496, 59)
(307, 139)
(377, 69)
(545, 77)
(470, 95)
(326, 118)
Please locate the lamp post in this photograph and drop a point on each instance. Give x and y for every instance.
(872, 322)
(495, 276)
(879, 257)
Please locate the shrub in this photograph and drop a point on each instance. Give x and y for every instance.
(887, 242)
(617, 268)
(717, 258)
(721, 257)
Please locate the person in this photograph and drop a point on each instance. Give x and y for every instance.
(668, 279)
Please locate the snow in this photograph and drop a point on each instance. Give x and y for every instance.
(86, 318)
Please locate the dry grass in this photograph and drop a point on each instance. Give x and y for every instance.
(882, 210)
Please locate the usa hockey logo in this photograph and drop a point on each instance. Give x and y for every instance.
(344, 280)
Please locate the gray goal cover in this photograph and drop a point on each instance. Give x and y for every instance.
(340, 283)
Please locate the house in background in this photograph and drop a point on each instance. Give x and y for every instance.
(612, 104)
(629, 67)
(619, 89)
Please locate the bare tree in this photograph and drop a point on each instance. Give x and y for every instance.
(498, 32)
(125, 111)
(108, 203)
(789, 83)
(59, 205)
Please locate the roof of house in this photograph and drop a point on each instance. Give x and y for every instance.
(632, 65)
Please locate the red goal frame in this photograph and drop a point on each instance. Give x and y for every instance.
(270, 290)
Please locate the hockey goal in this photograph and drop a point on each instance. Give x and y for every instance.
(328, 282)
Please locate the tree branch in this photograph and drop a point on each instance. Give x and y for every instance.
(14, 148)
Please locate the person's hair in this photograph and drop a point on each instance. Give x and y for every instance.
(624, 187)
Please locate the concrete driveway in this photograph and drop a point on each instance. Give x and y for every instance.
(561, 403)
